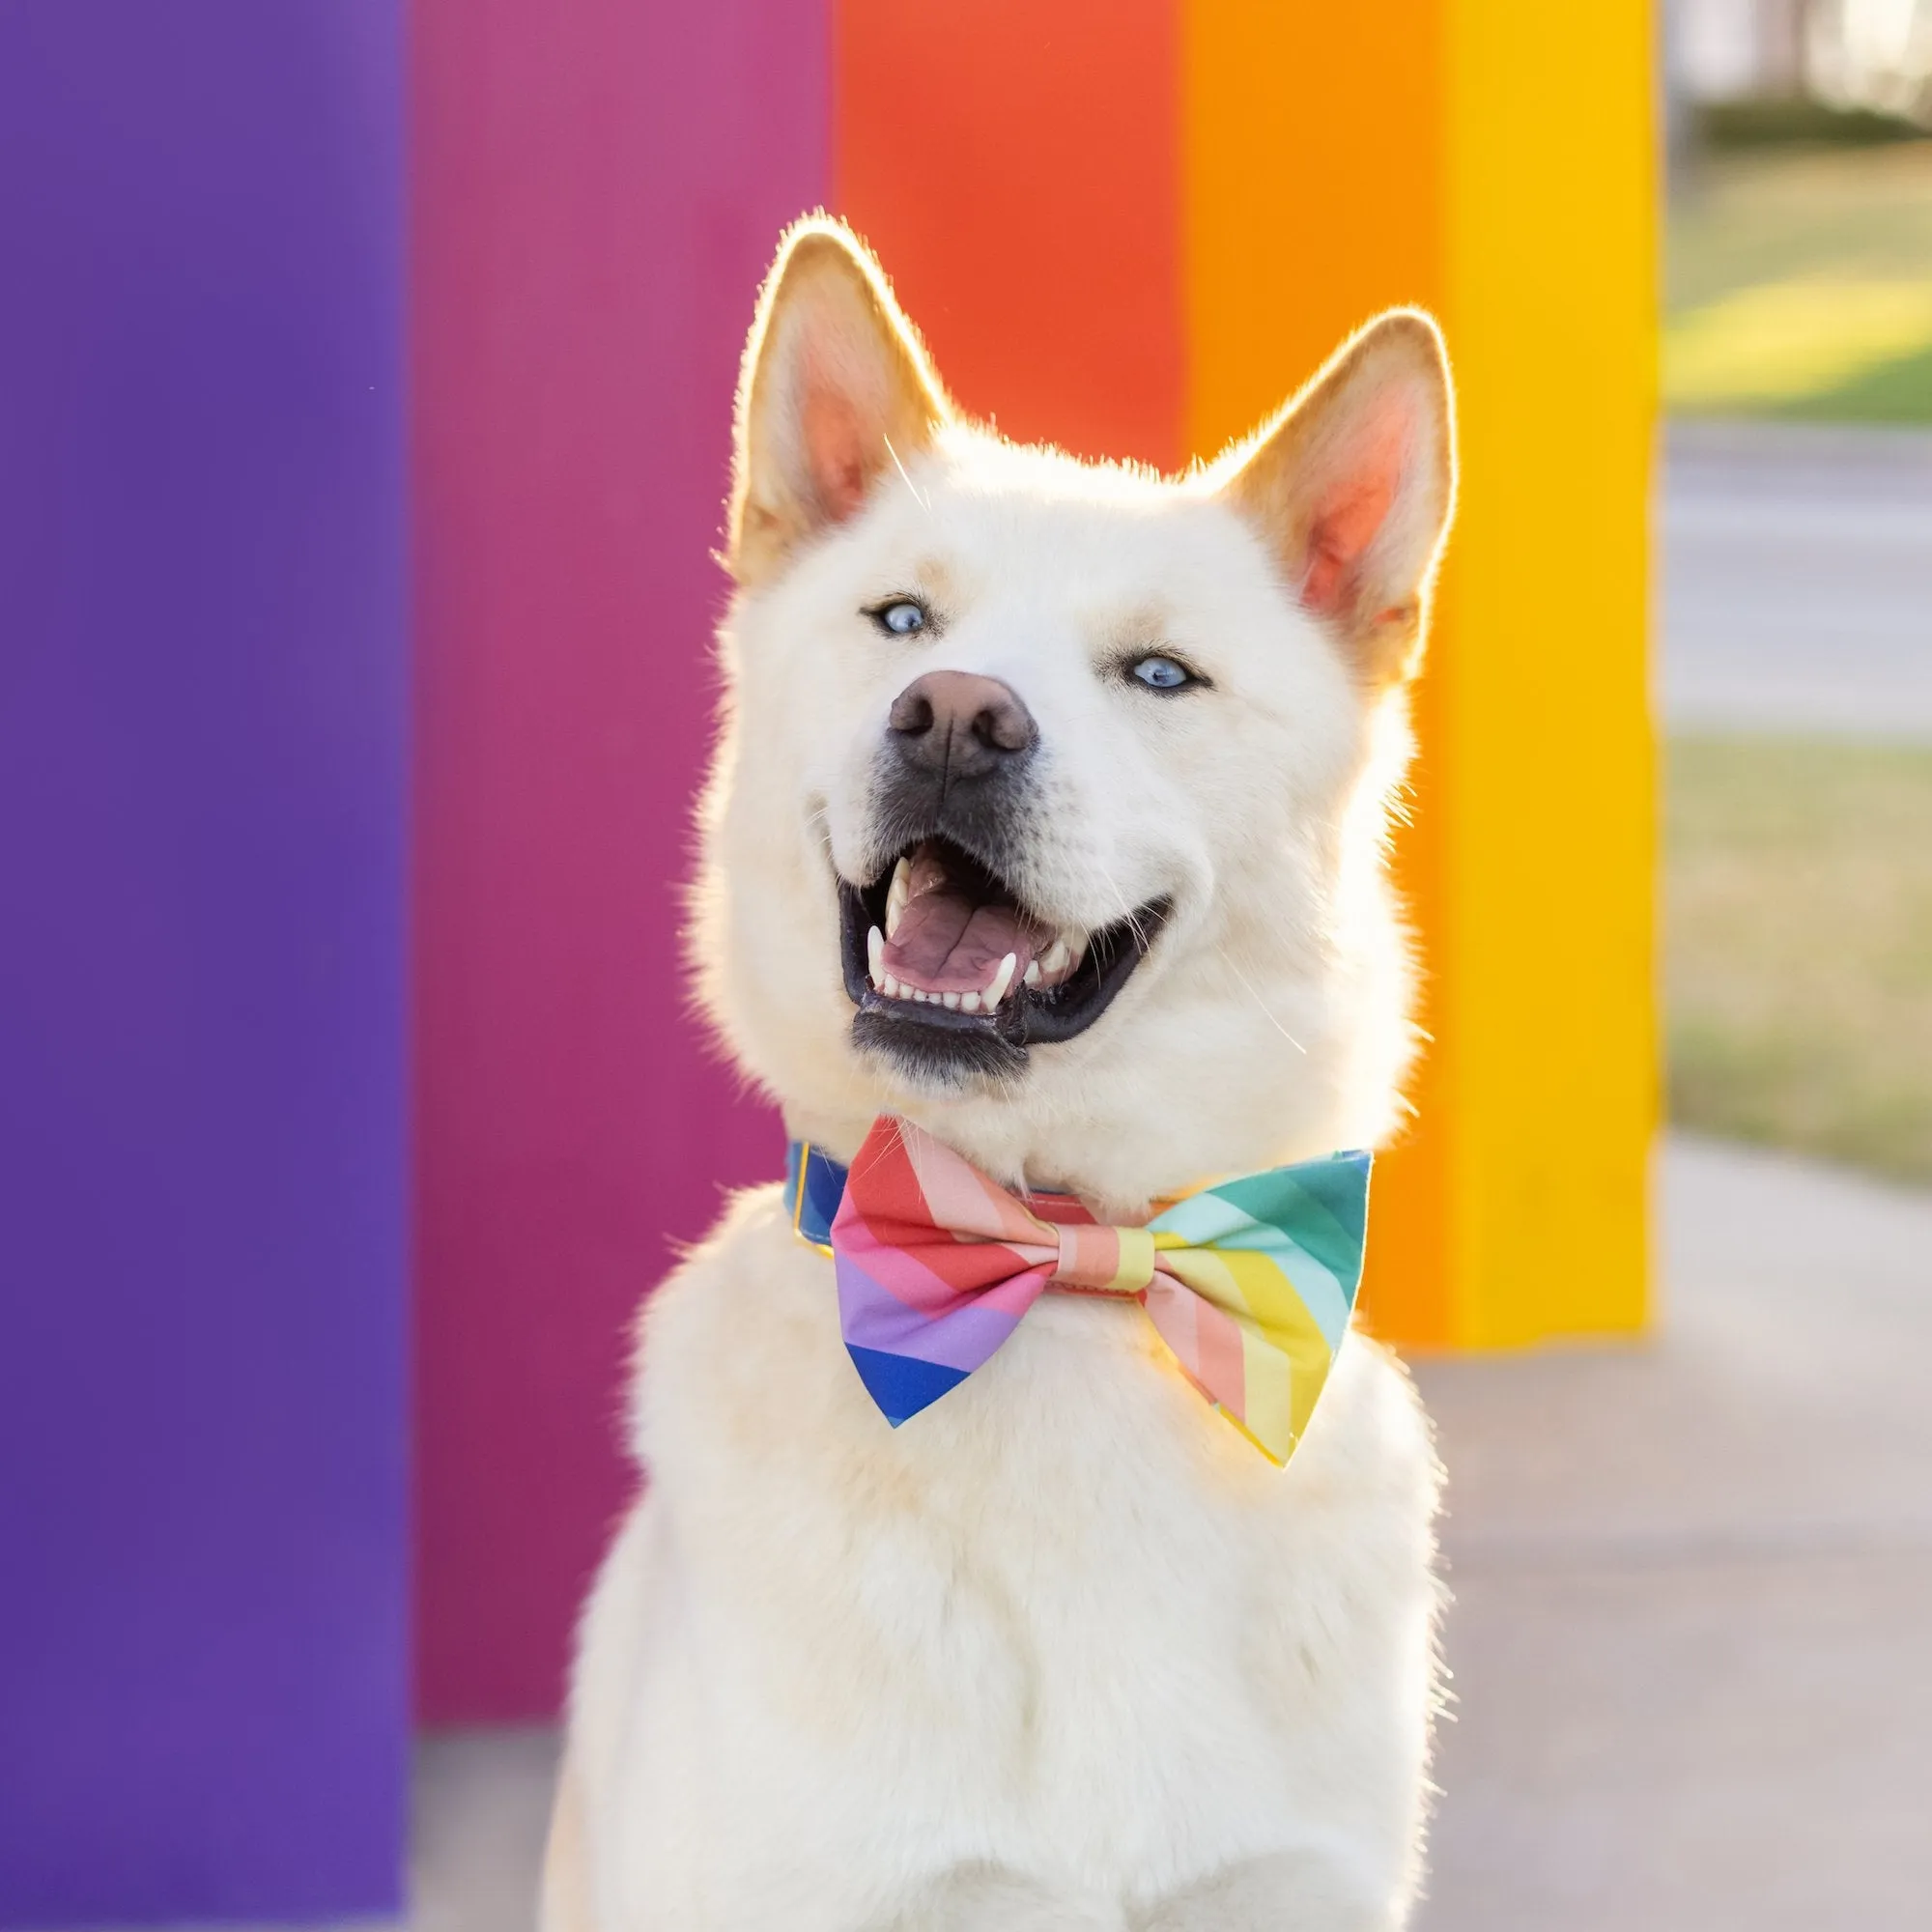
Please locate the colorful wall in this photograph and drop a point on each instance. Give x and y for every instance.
(338, 1022)
(1133, 226)
(1127, 226)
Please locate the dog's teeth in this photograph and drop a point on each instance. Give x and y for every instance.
(1059, 956)
(969, 1003)
(897, 894)
(1002, 979)
(951, 1002)
(1033, 973)
(875, 956)
(889, 987)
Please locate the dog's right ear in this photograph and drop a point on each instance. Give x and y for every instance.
(835, 389)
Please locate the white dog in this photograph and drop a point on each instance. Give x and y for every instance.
(1066, 1650)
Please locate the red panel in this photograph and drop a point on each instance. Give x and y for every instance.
(1015, 165)
(598, 185)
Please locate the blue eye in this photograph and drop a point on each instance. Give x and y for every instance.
(1163, 675)
(899, 619)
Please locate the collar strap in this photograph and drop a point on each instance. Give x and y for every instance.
(814, 1187)
(815, 1184)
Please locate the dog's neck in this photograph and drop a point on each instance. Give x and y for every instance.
(991, 1144)
(1118, 1169)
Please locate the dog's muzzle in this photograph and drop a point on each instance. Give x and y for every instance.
(951, 970)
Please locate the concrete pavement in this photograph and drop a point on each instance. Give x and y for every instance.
(482, 1806)
(1693, 1584)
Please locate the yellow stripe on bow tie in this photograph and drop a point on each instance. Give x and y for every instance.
(1284, 1353)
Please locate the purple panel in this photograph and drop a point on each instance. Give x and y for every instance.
(202, 691)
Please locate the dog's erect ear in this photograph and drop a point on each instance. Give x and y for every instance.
(1352, 484)
(836, 390)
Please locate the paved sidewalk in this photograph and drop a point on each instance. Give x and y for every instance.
(482, 1806)
(1693, 1587)
(1693, 1584)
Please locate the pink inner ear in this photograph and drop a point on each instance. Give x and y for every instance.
(1352, 504)
(835, 451)
(1345, 526)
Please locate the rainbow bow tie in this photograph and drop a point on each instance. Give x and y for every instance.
(1250, 1283)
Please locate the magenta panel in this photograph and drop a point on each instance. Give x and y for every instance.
(597, 187)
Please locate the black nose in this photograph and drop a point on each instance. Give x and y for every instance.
(959, 725)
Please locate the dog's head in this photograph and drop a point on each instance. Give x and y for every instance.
(1048, 808)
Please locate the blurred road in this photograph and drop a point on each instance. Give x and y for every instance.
(1796, 579)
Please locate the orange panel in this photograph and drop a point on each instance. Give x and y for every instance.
(1015, 164)
(1312, 163)
(1314, 198)
(1408, 1283)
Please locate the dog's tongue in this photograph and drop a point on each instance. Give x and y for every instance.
(951, 938)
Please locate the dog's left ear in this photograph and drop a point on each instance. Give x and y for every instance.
(1352, 484)
(837, 391)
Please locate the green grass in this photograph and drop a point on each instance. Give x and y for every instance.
(1761, 124)
(1895, 392)
(1800, 285)
(1799, 946)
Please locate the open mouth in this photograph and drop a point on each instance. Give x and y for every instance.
(949, 969)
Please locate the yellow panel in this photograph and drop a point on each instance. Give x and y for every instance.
(1548, 761)
(1492, 159)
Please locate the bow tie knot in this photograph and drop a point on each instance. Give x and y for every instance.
(1098, 1259)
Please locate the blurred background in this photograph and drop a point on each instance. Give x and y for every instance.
(365, 373)
(1797, 671)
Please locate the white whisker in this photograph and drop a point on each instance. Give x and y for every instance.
(1129, 913)
(923, 502)
(1260, 1001)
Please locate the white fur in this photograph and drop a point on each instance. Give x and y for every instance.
(1064, 1650)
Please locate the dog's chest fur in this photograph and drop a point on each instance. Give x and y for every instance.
(1067, 1621)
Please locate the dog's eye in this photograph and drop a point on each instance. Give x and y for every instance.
(1163, 675)
(899, 619)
